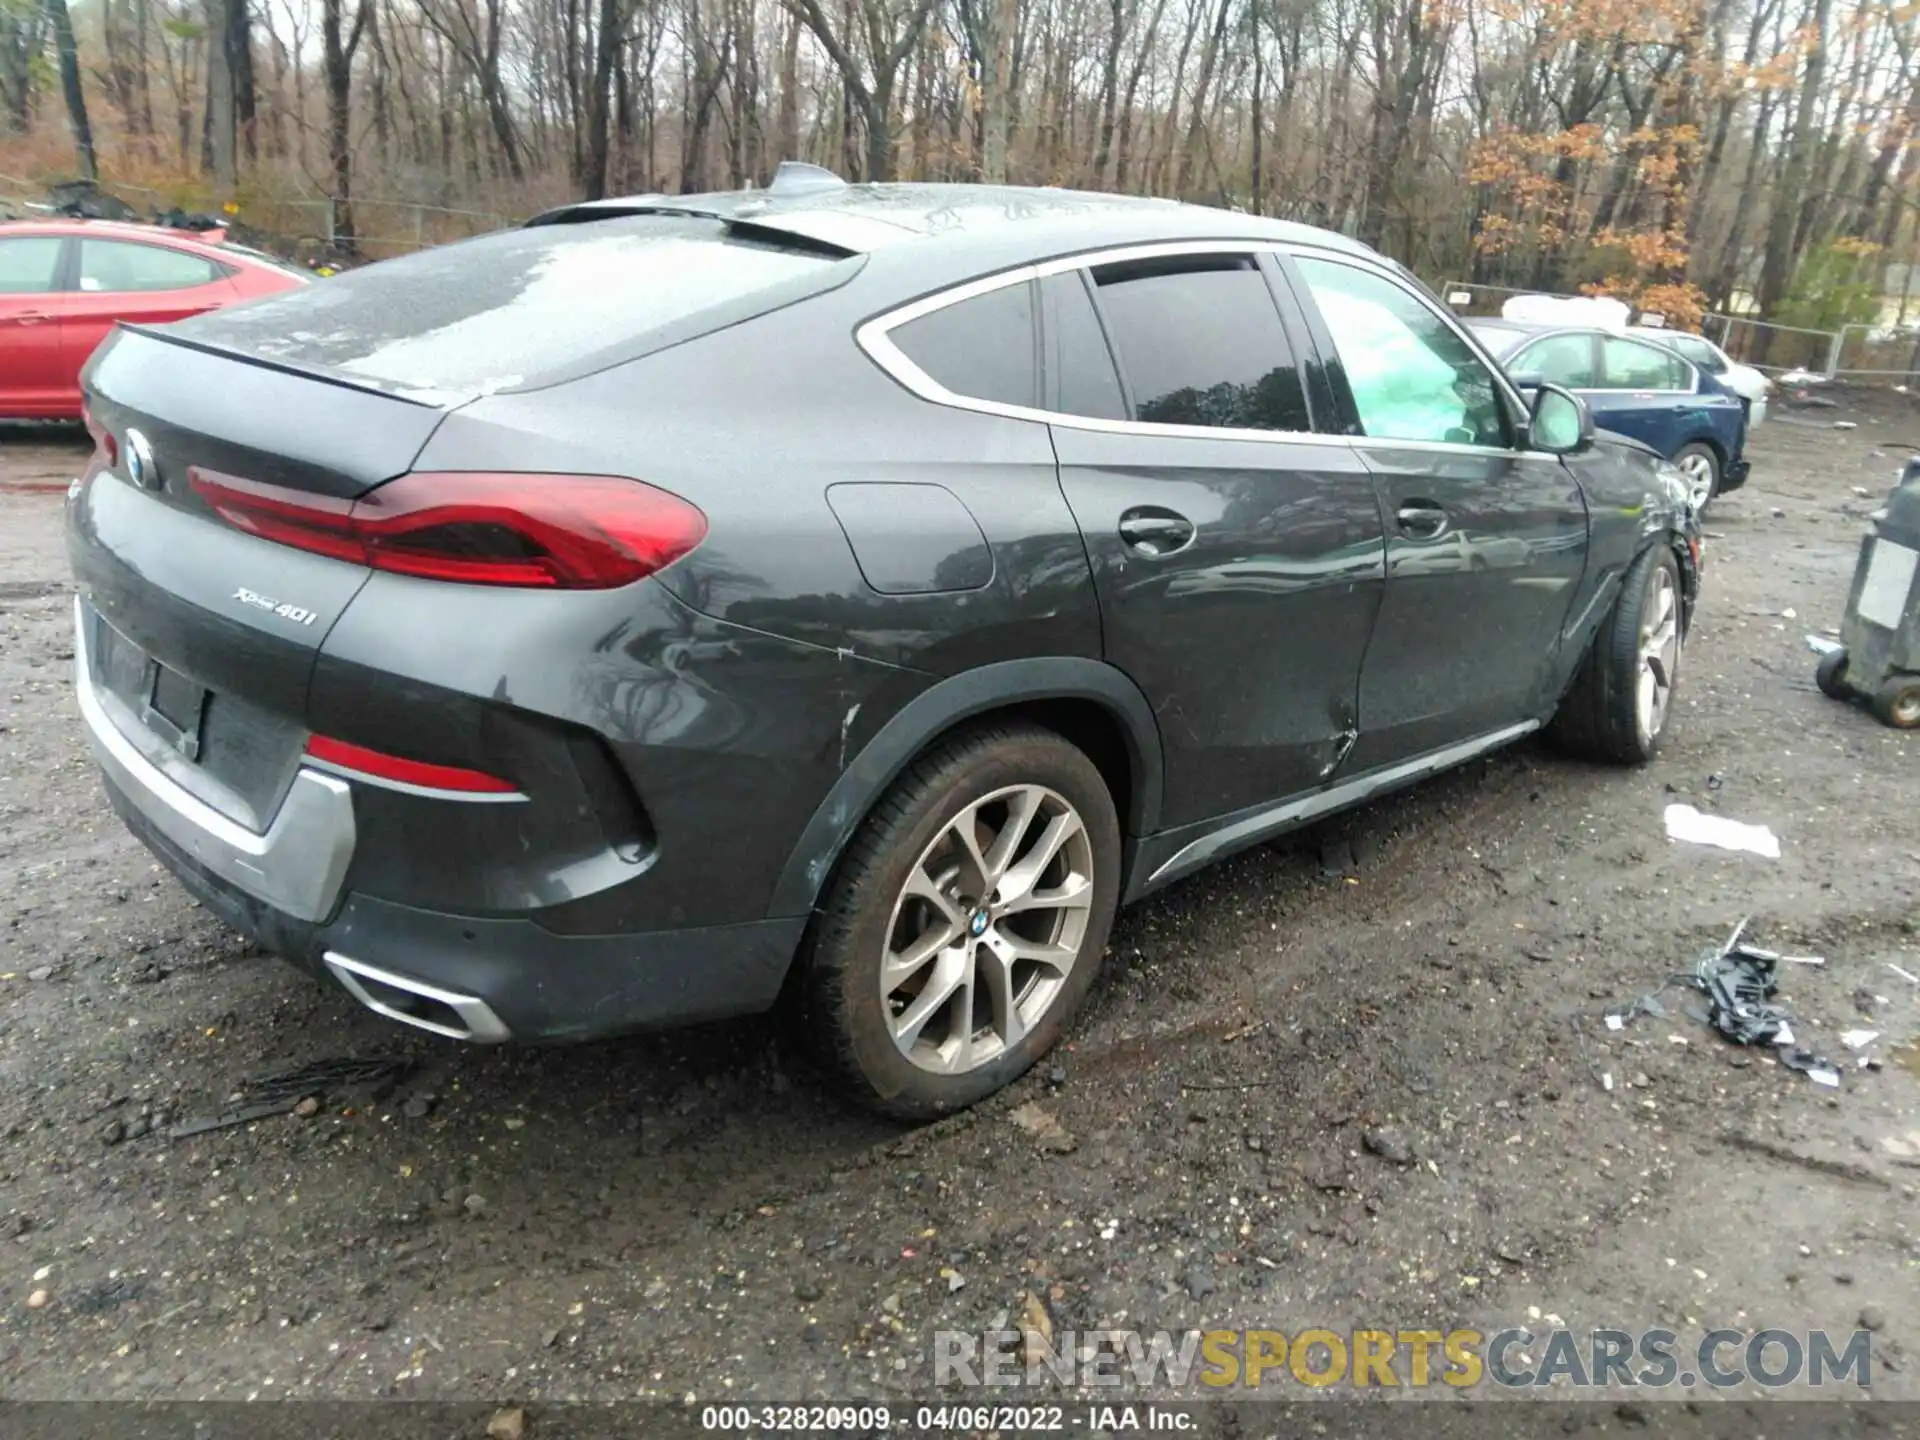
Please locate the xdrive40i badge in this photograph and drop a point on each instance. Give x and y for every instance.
(297, 613)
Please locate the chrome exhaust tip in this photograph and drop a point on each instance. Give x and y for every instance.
(414, 1002)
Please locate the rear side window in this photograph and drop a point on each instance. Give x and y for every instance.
(515, 306)
(1079, 364)
(1631, 365)
(1559, 360)
(982, 349)
(1201, 344)
(29, 264)
(118, 267)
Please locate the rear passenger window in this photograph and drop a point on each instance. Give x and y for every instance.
(1201, 344)
(1079, 364)
(1630, 365)
(982, 349)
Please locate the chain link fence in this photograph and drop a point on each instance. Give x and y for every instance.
(1883, 353)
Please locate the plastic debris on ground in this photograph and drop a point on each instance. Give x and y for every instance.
(1739, 982)
(1686, 823)
(1820, 645)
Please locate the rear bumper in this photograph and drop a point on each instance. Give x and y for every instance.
(494, 979)
(297, 866)
(465, 977)
(1735, 475)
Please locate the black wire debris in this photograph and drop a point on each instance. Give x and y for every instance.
(1740, 981)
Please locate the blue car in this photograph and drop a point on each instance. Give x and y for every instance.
(1637, 389)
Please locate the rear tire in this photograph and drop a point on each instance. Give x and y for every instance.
(1702, 468)
(1619, 704)
(1831, 675)
(947, 957)
(1897, 702)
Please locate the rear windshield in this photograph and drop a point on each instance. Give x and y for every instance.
(510, 308)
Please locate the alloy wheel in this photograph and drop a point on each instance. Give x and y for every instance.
(1659, 652)
(987, 928)
(1698, 470)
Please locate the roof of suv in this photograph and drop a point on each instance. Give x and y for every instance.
(867, 218)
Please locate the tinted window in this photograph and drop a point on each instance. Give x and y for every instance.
(28, 264)
(1630, 365)
(1559, 360)
(1079, 364)
(1202, 345)
(981, 348)
(488, 313)
(1692, 347)
(114, 266)
(1412, 376)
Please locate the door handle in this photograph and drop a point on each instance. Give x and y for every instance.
(1154, 532)
(1422, 520)
(30, 317)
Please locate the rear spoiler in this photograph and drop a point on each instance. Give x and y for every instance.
(431, 399)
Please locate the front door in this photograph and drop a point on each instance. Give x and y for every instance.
(1237, 556)
(1486, 542)
(30, 304)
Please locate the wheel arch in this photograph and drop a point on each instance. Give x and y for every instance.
(1089, 702)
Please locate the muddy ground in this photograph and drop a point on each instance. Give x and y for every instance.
(690, 1216)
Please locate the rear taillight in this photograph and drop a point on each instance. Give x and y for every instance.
(106, 449)
(397, 770)
(566, 532)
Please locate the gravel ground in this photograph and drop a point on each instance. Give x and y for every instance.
(1352, 1080)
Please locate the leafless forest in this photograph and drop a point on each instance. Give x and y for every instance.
(1753, 153)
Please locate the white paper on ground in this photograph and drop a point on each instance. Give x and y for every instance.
(1859, 1039)
(1686, 823)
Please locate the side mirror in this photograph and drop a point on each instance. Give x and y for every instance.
(1560, 423)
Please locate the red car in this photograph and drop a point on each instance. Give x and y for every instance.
(63, 284)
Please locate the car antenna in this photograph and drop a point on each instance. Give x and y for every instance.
(797, 177)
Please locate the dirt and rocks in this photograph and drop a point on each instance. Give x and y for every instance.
(1353, 1081)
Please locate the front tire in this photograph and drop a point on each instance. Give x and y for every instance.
(1701, 466)
(965, 923)
(1619, 704)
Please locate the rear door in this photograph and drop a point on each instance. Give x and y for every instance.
(1486, 542)
(1237, 555)
(31, 377)
(142, 284)
(1644, 391)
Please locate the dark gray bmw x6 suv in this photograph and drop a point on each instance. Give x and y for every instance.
(829, 595)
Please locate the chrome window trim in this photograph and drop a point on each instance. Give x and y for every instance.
(874, 337)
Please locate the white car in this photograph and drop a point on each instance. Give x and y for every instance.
(1743, 380)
